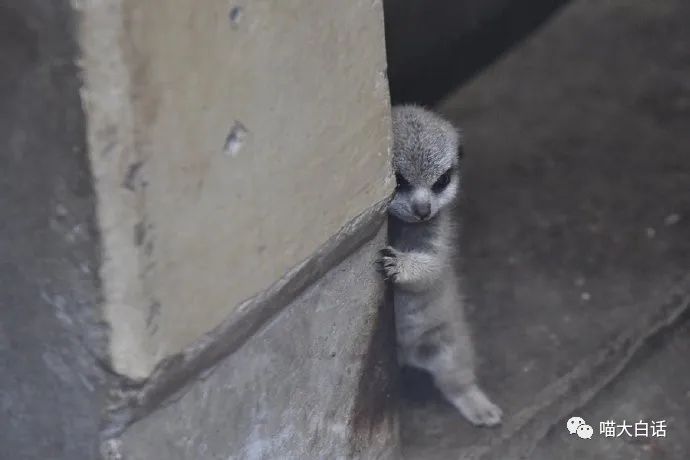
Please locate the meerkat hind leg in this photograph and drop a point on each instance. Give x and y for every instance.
(471, 401)
(457, 383)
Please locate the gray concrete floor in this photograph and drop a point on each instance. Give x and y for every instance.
(576, 223)
(655, 387)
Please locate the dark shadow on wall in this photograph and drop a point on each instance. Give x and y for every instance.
(433, 47)
(377, 390)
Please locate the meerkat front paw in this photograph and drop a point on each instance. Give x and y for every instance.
(388, 263)
(478, 408)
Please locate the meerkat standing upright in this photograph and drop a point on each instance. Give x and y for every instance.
(431, 330)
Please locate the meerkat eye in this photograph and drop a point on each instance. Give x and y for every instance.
(442, 182)
(401, 181)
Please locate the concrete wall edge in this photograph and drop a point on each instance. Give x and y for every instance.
(131, 400)
(113, 158)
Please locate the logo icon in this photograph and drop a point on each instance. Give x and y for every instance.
(573, 423)
(577, 425)
(585, 431)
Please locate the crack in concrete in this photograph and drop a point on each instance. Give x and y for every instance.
(578, 387)
(131, 400)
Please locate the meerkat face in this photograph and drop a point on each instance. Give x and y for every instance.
(416, 201)
(425, 161)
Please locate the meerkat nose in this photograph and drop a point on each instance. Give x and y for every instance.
(422, 210)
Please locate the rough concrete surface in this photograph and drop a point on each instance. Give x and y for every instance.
(313, 383)
(205, 165)
(653, 389)
(51, 389)
(228, 143)
(576, 217)
(174, 373)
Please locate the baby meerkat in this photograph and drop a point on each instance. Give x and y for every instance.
(431, 330)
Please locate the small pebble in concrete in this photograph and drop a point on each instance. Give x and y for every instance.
(112, 449)
(235, 140)
(59, 302)
(129, 180)
(60, 210)
(672, 219)
(235, 16)
(75, 233)
(650, 232)
(586, 296)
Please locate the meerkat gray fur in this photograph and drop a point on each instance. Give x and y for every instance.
(431, 330)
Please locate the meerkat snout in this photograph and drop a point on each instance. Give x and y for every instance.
(422, 210)
(421, 205)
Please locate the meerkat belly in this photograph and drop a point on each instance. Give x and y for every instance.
(418, 313)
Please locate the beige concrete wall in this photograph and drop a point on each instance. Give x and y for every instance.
(193, 225)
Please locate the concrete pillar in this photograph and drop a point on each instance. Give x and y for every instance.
(194, 211)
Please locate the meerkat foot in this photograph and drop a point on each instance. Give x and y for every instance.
(476, 407)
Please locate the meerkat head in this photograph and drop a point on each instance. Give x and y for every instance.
(426, 152)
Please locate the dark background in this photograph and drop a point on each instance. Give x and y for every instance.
(433, 46)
